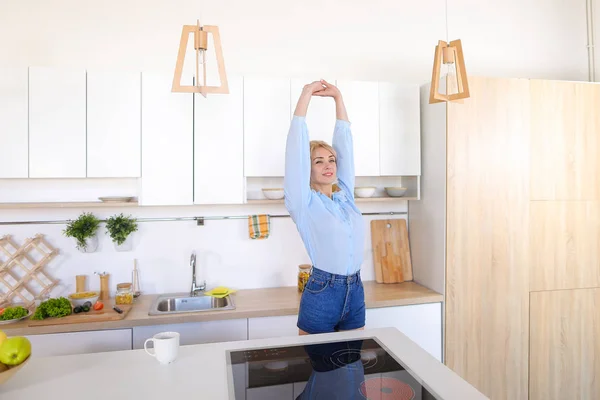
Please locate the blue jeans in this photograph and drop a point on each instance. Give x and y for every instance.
(332, 303)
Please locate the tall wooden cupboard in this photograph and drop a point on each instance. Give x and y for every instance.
(508, 229)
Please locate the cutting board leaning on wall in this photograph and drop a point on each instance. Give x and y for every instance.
(391, 251)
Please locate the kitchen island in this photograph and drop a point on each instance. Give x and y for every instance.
(206, 372)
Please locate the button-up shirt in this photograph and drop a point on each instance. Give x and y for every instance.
(332, 229)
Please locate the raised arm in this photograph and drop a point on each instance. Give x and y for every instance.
(296, 183)
(342, 138)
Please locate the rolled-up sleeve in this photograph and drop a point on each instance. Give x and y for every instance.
(297, 168)
(344, 147)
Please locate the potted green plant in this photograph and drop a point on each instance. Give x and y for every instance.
(83, 230)
(120, 229)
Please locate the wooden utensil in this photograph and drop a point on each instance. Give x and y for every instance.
(391, 251)
(104, 315)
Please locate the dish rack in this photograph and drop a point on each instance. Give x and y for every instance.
(22, 274)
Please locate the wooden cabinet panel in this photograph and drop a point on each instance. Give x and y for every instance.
(14, 140)
(321, 116)
(113, 124)
(565, 245)
(59, 344)
(219, 146)
(57, 122)
(565, 350)
(399, 130)
(565, 140)
(487, 274)
(167, 142)
(195, 332)
(362, 103)
(266, 124)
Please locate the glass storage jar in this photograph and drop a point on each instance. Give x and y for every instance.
(124, 294)
(303, 275)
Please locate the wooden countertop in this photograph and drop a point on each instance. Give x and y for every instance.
(250, 303)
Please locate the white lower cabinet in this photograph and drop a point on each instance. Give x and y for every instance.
(421, 323)
(59, 344)
(270, 327)
(195, 332)
(275, 392)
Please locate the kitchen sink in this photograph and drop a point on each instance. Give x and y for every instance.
(184, 303)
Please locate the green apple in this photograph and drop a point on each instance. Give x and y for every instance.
(3, 337)
(15, 350)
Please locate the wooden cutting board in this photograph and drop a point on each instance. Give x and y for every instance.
(391, 251)
(104, 315)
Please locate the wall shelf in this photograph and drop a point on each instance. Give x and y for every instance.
(81, 204)
(357, 199)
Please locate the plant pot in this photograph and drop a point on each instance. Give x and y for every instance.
(91, 245)
(127, 245)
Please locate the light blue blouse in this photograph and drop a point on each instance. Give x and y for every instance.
(332, 230)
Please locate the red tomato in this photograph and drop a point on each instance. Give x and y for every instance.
(98, 305)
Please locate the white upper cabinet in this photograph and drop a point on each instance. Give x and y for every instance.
(57, 122)
(362, 104)
(219, 146)
(320, 118)
(266, 125)
(113, 124)
(400, 129)
(14, 157)
(167, 142)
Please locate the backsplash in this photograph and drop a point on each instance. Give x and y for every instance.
(225, 253)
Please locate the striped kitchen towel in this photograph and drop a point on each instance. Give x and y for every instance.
(259, 226)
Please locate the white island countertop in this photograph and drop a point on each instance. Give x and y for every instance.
(200, 371)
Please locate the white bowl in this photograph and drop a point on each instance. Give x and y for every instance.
(80, 302)
(273, 194)
(395, 191)
(364, 191)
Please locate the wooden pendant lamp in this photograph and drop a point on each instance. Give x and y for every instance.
(449, 54)
(200, 46)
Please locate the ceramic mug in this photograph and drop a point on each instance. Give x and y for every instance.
(166, 346)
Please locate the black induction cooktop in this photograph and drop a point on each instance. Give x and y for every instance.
(348, 370)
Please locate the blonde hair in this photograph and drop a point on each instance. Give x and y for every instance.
(315, 144)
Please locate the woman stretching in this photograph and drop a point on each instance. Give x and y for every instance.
(329, 223)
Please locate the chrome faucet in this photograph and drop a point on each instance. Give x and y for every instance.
(195, 289)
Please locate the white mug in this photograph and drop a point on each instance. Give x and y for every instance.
(166, 346)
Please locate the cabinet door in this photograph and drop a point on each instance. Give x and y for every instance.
(167, 142)
(219, 146)
(266, 124)
(399, 130)
(195, 332)
(60, 344)
(57, 123)
(320, 117)
(271, 327)
(14, 157)
(564, 359)
(421, 323)
(113, 124)
(275, 392)
(362, 104)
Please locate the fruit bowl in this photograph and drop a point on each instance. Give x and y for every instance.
(79, 299)
(5, 375)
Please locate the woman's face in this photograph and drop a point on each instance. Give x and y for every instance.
(323, 169)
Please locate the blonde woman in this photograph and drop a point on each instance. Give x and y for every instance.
(329, 223)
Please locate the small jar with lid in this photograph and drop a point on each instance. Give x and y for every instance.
(124, 294)
(303, 275)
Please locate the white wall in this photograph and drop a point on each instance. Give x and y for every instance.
(225, 254)
(379, 40)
